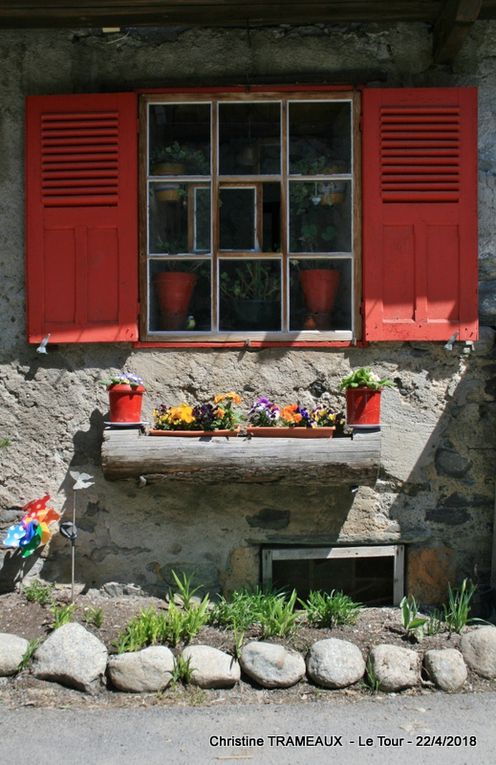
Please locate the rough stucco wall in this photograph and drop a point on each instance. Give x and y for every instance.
(436, 488)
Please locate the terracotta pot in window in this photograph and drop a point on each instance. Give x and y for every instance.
(174, 290)
(319, 287)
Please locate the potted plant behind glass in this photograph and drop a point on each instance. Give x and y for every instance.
(252, 292)
(220, 418)
(363, 397)
(125, 391)
(176, 159)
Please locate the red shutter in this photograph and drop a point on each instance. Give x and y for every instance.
(81, 240)
(420, 213)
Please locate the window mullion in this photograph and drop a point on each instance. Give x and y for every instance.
(215, 296)
(284, 216)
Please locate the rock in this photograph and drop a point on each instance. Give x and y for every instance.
(479, 650)
(271, 665)
(335, 663)
(143, 671)
(134, 589)
(112, 589)
(446, 668)
(12, 649)
(72, 656)
(212, 668)
(394, 667)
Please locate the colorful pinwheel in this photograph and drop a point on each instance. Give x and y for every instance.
(34, 529)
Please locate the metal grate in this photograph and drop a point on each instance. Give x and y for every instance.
(79, 159)
(420, 154)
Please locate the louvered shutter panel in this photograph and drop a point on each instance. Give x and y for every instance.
(419, 170)
(81, 211)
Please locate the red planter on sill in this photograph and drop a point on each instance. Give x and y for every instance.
(290, 432)
(125, 402)
(363, 407)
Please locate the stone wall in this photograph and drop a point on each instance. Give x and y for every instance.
(436, 488)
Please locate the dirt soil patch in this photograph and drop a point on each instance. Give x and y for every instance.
(30, 620)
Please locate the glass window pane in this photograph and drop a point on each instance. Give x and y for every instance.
(320, 216)
(319, 138)
(179, 139)
(179, 218)
(320, 294)
(238, 219)
(250, 139)
(180, 295)
(250, 295)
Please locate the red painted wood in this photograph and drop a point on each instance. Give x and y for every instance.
(419, 172)
(82, 215)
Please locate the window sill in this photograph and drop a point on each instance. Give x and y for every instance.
(327, 462)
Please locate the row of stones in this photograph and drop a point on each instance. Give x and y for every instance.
(74, 657)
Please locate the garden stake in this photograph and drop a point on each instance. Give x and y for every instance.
(69, 529)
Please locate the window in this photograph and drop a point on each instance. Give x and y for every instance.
(261, 215)
(250, 211)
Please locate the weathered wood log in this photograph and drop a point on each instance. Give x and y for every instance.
(131, 454)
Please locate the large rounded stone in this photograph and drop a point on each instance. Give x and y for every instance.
(143, 671)
(394, 667)
(446, 668)
(12, 649)
(479, 650)
(271, 665)
(335, 663)
(211, 668)
(72, 656)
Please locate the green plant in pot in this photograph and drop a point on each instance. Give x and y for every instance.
(125, 390)
(253, 293)
(178, 159)
(363, 397)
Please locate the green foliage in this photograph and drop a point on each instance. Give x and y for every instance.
(94, 616)
(243, 609)
(365, 378)
(62, 614)
(38, 592)
(253, 280)
(152, 627)
(239, 639)
(4, 442)
(186, 591)
(457, 612)
(327, 609)
(411, 621)
(371, 679)
(28, 654)
(195, 160)
(278, 618)
(182, 672)
(435, 623)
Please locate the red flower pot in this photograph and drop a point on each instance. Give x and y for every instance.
(319, 287)
(125, 402)
(174, 290)
(363, 407)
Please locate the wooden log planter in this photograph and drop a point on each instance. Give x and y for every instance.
(336, 461)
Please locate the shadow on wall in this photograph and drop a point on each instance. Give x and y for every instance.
(435, 493)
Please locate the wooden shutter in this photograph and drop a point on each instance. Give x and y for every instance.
(419, 169)
(81, 209)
